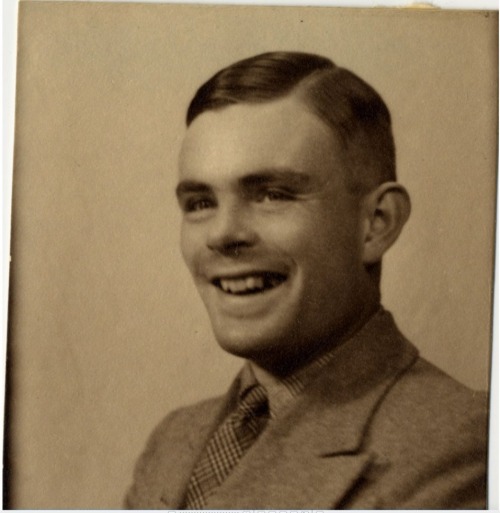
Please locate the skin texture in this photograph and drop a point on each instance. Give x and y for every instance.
(263, 188)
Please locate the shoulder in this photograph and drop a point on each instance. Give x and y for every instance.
(429, 435)
(426, 399)
(173, 426)
(168, 450)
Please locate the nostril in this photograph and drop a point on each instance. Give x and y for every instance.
(235, 248)
(230, 248)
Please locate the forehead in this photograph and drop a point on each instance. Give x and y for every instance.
(244, 138)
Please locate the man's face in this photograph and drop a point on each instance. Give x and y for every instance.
(270, 233)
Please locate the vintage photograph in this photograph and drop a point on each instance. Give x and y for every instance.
(252, 257)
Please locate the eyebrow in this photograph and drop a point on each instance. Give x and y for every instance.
(292, 178)
(191, 186)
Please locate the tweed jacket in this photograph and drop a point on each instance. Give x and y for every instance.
(378, 428)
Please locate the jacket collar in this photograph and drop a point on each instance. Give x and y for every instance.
(344, 396)
(312, 455)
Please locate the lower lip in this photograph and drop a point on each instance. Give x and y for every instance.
(248, 305)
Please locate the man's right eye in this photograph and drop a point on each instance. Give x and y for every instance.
(197, 204)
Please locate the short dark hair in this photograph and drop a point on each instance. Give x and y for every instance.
(346, 103)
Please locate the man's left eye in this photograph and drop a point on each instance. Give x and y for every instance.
(275, 195)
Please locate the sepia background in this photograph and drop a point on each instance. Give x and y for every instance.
(106, 332)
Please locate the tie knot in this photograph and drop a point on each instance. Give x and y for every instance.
(253, 402)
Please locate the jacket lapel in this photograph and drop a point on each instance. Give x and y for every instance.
(185, 450)
(313, 456)
(303, 481)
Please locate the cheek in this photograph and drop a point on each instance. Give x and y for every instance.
(190, 245)
(288, 235)
(295, 232)
(330, 250)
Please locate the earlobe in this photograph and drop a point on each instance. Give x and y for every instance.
(387, 209)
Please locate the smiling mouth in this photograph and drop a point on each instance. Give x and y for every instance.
(250, 284)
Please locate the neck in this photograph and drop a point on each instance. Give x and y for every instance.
(302, 353)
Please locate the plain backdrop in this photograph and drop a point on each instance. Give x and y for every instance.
(106, 331)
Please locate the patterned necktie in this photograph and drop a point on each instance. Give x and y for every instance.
(227, 445)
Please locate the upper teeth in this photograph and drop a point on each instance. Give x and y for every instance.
(242, 284)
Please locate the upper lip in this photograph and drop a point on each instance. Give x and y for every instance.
(235, 274)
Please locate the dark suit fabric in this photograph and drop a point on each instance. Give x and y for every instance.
(378, 428)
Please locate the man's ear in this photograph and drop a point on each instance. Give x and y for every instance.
(386, 210)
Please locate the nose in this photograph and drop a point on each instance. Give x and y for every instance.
(231, 230)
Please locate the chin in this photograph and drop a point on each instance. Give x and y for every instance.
(274, 354)
(247, 344)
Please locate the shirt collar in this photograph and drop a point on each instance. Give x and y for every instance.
(282, 392)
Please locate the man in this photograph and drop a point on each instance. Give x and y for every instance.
(289, 200)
